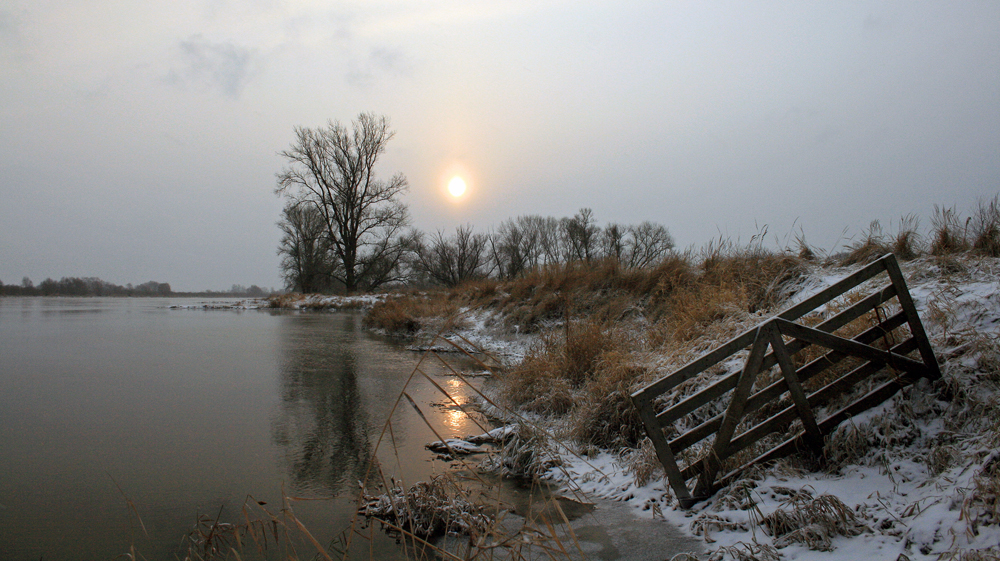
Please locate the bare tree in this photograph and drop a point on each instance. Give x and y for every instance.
(306, 256)
(510, 249)
(581, 236)
(332, 169)
(613, 242)
(649, 243)
(452, 261)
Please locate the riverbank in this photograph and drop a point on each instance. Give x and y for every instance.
(915, 478)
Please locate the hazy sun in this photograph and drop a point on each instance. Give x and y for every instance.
(456, 186)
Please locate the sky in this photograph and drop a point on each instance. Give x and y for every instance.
(140, 140)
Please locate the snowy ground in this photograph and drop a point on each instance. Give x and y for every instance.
(914, 497)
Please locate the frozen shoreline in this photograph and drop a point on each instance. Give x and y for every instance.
(903, 507)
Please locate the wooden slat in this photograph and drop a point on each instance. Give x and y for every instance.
(727, 383)
(792, 445)
(713, 461)
(816, 399)
(813, 436)
(663, 453)
(850, 347)
(916, 328)
(774, 390)
(835, 289)
(696, 366)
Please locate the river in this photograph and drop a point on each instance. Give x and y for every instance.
(122, 419)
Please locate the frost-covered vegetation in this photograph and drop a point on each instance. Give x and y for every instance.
(915, 478)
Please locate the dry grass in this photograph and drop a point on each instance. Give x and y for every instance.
(870, 247)
(430, 509)
(982, 506)
(743, 551)
(550, 376)
(406, 315)
(949, 232)
(985, 227)
(641, 462)
(812, 521)
(525, 454)
(256, 534)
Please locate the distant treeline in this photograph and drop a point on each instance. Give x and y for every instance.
(92, 286)
(89, 286)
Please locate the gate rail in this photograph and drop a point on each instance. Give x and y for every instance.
(772, 335)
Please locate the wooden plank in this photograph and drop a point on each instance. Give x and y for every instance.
(813, 437)
(696, 366)
(774, 390)
(871, 399)
(834, 290)
(850, 347)
(916, 328)
(713, 461)
(816, 399)
(727, 383)
(663, 453)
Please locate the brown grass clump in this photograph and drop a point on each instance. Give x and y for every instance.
(908, 244)
(763, 275)
(407, 314)
(548, 378)
(429, 509)
(641, 462)
(982, 506)
(605, 414)
(812, 522)
(524, 454)
(871, 246)
(986, 228)
(743, 551)
(949, 235)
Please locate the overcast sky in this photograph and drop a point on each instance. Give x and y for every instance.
(139, 140)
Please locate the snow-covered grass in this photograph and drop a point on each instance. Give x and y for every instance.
(915, 478)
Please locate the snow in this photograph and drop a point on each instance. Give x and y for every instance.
(907, 510)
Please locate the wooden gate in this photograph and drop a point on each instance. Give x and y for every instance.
(777, 342)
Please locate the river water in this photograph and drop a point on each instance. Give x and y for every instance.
(117, 410)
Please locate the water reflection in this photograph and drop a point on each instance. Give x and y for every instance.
(322, 425)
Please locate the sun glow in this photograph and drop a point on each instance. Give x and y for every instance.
(456, 186)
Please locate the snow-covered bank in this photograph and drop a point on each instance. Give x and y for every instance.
(289, 302)
(915, 478)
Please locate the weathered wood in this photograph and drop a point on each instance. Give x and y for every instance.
(813, 436)
(816, 399)
(774, 390)
(847, 346)
(663, 453)
(916, 328)
(744, 401)
(713, 461)
(696, 366)
(718, 388)
(827, 425)
(835, 289)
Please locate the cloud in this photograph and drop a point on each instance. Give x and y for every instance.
(380, 62)
(225, 66)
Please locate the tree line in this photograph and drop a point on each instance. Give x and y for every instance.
(87, 286)
(346, 230)
(93, 286)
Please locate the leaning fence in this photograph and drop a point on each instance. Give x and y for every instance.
(894, 341)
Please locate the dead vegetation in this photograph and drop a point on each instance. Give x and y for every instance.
(604, 329)
(430, 509)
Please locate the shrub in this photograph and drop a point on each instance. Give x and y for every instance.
(948, 235)
(986, 227)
